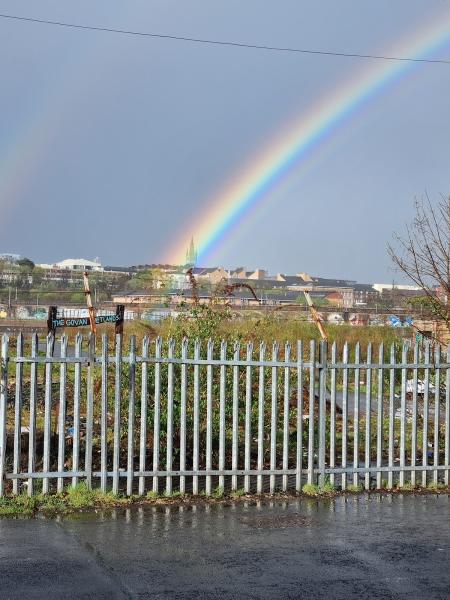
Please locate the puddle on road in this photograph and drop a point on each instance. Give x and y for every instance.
(277, 522)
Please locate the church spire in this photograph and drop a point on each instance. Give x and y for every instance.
(191, 254)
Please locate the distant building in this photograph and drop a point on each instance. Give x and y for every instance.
(10, 258)
(240, 273)
(211, 274)
(259, 274)
(383, 287)
(75, 264)
(365, 294)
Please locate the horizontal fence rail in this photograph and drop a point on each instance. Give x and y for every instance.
(199, 416)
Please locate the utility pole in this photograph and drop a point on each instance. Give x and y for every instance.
(315, 315)
(91, 310)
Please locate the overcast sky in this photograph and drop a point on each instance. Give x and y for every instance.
(111, 145)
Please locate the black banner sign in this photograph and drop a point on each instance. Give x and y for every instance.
(53, 322)
(84, 321)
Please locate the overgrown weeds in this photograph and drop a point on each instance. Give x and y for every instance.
(217, 493)
(313, 490)
(74, 498)
(354, 489)
(82, 498)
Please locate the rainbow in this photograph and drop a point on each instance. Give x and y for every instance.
(295, 147)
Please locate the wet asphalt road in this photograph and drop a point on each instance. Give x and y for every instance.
(378, 547)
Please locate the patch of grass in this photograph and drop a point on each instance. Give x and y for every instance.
(355, 489)
(217, 493)
(77, 498)
(407, 487)
(152, 495)
(309, 489)
(17, 505)
(434, 486)
(81, 496)
(52, 504)
(319, 490)
(176, 494)
(328, 488)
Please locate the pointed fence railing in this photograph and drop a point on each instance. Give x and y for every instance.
(193, 416)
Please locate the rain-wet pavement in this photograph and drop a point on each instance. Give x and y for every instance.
(348, 547)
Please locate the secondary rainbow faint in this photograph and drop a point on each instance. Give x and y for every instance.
(235, 203)
(27, 149)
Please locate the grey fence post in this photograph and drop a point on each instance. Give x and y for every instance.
(90, 411)
(222, 399)
(344, 416)
(286, 411)
(131, 416)
(144, 401)
(368, 411)
(322, 410)
(248, 417)
(426, 397)
(156, 413)
(209, 415)
(273, 418)
(104, 416)
(18, 414)
(414, 415)
(32, 421)
(3, 402)
(169, 428)
(312, 400)
(391, 418)
(62, 414)
(437, 406)
(235, 417)
(47, 412)
(261, 389)
(117, 416)
(380, 394)
(196, 418)
(447, 421)
(183, 392)
(356, 407)
(76, 409)
(401, 480)
(333, 413)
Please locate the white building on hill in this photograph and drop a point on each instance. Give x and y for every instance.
(75, 264)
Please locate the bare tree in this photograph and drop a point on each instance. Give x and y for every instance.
(422, 253)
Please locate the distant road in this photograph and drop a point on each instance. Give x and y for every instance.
(26, 326)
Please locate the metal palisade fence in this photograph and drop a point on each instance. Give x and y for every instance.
(193, 417)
